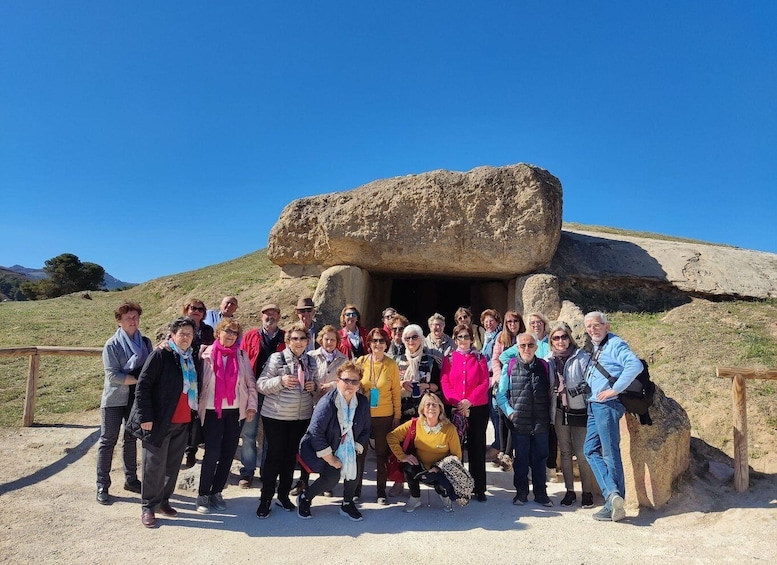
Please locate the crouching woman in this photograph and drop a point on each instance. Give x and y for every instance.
(338, 431)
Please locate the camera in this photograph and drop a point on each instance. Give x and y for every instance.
(581, 388)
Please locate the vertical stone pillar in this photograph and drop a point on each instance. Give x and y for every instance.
(338, 286)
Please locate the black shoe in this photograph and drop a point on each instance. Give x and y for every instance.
(569, 498)
(286, 504)
(132, 486)
(543, 499)
(191, 459)
(520, 499)
(264, 509)
(481, 497)
(303, 507)
(102, 495)
(349, 509)
(588, 500)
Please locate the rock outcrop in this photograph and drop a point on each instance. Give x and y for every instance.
(494, 222)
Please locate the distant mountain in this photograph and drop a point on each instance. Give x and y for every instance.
(110, 282)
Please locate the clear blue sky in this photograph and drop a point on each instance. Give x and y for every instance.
(159, 137)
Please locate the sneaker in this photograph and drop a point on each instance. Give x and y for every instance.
(217, 502)
(447, 503)
(569, 498)
(412, 503)
(203, 504)
(480, 497)
(132, 486)
(618, 512)
(588, 500)
(245, 482)
(544, 500)
(298, 489)
(551, 475)
(349, 509)
(286, 504)
(520, 499)
(328, 493)
(382, 501)
(604, 514)
(303, 507)
(264, 509)
(397, 489)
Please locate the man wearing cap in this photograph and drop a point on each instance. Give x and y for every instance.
(226, 310)
(306, 312)
(259, 344)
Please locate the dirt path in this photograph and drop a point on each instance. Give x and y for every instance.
(48, 515)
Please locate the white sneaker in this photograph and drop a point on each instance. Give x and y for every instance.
(618, 512)
(203, 504)
(412, 503)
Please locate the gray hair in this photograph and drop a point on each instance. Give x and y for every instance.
(596, 314)
(413, 329)
(436, 316)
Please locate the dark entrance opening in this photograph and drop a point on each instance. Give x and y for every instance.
(419, 298)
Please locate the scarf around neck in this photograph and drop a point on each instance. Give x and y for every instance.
(561, 358)
(225, 369)
(134, 348)
(189, 373)
(412, 373)
(346, 450)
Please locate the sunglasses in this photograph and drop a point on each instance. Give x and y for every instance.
(230, 332)
(298, 338)
(527, 345)
(560, 337)
(412, 337)
(305, 310)
(511, 321)
(352, 382)
(463, 337)
(379, 340)
(351, 315)
(196, 308)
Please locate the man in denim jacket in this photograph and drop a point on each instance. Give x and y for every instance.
(602, 440)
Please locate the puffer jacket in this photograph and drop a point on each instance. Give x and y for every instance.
(281, 403)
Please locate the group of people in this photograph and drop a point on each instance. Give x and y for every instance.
(419, 401)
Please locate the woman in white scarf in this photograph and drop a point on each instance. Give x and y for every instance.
(338, 431)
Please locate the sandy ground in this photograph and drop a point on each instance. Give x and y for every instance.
(48, 515)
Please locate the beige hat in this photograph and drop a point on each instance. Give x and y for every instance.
(303, 303)
(270, 306)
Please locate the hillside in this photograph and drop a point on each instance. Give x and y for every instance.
(683, 344)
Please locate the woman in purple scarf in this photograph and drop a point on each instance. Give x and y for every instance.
(227, 397)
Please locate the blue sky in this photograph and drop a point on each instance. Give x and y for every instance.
(158, 137)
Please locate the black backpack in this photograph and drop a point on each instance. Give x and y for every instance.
(638, 396)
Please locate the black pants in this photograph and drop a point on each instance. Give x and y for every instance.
(221, 438)
(160, 466)
(195, 434)
(438, 480)
(552, 448)
(476, 445)
(283, 437)
(327, 480)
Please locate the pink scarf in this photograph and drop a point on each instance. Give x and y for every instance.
(226, 374)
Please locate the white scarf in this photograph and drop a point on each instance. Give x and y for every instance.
(346, 451)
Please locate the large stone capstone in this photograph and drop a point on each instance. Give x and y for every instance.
(494, 222)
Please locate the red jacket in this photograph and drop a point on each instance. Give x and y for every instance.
(465, 376)
(345, 344)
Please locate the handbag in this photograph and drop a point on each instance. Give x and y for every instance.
(393, 465)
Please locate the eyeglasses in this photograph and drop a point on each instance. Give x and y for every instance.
(527, 345)
(298, 338)
(560, 337)
(352, 382)
(185, 335)
(463, 317)
(378, 340)
(463, 337)
(305, 310)
(196, 308)
(351, 315)
(536, 323)
(229, 331)
(412, 337)
(398, 329)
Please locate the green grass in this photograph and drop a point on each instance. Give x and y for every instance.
(631, 233)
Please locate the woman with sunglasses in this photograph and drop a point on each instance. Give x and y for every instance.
(569, 363)
(227, 398)
(353, 336)
(464, 316)
(465, 387)
(503, 443)
(289, 382)
(338, 431)
(380, 382)
(203, 335)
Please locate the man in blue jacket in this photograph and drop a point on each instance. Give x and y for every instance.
(602, 441)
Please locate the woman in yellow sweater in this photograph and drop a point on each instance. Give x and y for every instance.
(381, 385)
(435, 438)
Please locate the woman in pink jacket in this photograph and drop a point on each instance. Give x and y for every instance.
(465, 386)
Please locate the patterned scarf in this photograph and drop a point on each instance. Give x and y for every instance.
(346, 451)
(560, 358)
(134, 348)
(225, 368)
(189, 374)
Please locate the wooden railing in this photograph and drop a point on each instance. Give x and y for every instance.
(739, 397)
(32, 377)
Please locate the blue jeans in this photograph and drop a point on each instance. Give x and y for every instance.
(603, 447)
(250, 457)
(531, 450)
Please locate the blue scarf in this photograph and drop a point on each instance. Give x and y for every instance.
(189, 374)
(346, 451)
(134, 348)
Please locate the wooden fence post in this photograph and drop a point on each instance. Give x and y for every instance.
(32, 386)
